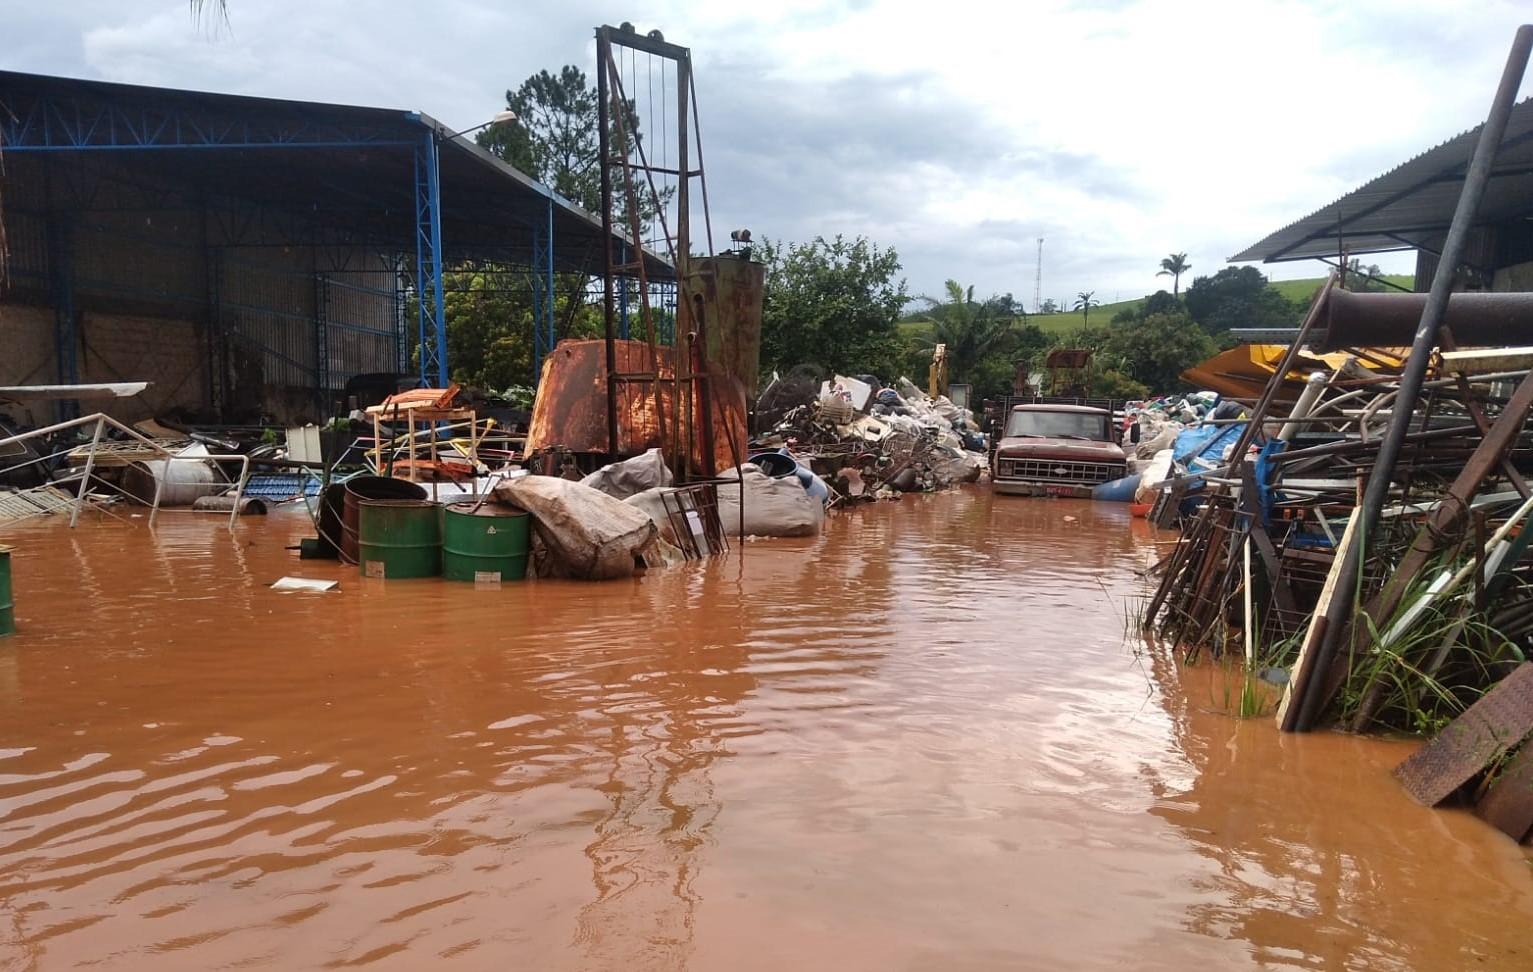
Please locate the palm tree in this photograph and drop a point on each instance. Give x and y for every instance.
(1174, 266)
(972, 330)
(1084, 301)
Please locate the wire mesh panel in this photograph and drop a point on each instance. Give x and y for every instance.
(360, 322)
(694, 515)
(267, 316)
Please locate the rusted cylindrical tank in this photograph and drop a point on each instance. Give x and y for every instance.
(1389, 320)
(571, 407)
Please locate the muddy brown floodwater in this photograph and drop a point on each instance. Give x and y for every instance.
(920, 741)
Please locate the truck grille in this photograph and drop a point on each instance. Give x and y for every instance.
(1043, 471)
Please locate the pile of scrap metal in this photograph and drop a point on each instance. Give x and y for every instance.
(436, 436)
(1362, 540)
(96, 462)
(859, 440)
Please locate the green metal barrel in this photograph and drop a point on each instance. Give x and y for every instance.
(7, 607)
(485, 544)
(398, 538)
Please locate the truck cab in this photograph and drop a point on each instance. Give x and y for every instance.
(1055, 450)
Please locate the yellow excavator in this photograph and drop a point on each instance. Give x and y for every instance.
(936, 376)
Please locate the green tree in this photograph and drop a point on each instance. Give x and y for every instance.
(489, 329)
(1049, 306)
(1239, 297)
(993, 375)
(972, 330)
(556, 140)
(1364, 280)
(1084, 301)
(832, 303)
(1174, 266)
(555, 137)
(1156, 350)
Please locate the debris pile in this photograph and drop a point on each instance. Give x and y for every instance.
(96, 462)
(860, 440)
(1440, 608)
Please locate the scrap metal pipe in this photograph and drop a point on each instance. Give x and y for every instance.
(244, 505)
(1317, 688)
(1312, 387)
(1390, 320)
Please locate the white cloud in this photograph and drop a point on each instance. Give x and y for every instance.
(956, 132)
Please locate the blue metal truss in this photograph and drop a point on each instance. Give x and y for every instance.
(542, 294)
(431, 321)
(49, 124)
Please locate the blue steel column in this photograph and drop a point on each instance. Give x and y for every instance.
(428, 264)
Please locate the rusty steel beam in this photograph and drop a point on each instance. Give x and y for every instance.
(609, 308)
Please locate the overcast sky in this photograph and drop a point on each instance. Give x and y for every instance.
(956, 132)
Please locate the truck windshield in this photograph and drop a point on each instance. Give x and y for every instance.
(1059, 425)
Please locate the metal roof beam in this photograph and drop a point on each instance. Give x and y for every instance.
(1338, 226)
(48, 124)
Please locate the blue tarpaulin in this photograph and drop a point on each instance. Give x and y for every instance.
(1202, 448)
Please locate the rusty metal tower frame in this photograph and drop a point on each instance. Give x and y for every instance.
(627, 163)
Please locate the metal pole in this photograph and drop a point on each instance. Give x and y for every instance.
(90, 464)
(1341, 608)
(604, 148)
(686, 380)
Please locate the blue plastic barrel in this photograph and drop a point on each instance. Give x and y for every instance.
(1117, 491)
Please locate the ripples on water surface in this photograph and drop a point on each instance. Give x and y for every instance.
(919, 741)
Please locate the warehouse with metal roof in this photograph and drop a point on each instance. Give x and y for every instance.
(250, 256)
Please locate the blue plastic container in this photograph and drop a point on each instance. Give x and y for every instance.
(1117, 491)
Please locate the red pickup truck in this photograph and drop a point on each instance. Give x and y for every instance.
(1056, 450)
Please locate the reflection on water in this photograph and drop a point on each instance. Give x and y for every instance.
(918, 741)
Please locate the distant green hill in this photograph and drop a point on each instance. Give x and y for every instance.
(1068, 323)
(1295, 290)
(1303, 290)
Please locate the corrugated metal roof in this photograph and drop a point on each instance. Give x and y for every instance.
(486, 204)
(1413, 201)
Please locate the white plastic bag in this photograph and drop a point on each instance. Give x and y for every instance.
(623, 479)
(773, 507)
